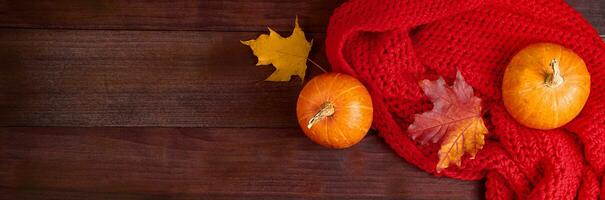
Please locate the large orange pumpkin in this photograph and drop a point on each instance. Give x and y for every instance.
(334, 110)
(545, 86)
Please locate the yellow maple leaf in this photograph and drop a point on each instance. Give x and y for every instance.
(288, 55)
(455, 120)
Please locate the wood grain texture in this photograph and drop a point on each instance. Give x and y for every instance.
(145, 78)
(208, 15)
(141, 63)
(222, 163)
(140, 78)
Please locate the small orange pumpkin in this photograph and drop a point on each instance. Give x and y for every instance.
(545, 86)
(334, 110)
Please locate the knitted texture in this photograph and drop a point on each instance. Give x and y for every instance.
(390, 45)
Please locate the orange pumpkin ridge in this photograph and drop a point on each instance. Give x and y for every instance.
(545, 86)
(334, 110)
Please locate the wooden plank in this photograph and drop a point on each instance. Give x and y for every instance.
(141, 78)
(223, 163)
(91, 78)
(215, 15)
(593, 11)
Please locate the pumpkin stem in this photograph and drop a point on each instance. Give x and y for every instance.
(555, 79)
(326, 110)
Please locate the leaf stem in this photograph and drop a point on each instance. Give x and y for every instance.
(314, 63)
(317, 65)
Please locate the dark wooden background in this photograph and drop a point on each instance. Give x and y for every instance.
(138, 99)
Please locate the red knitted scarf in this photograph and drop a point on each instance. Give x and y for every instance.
(390, 45)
